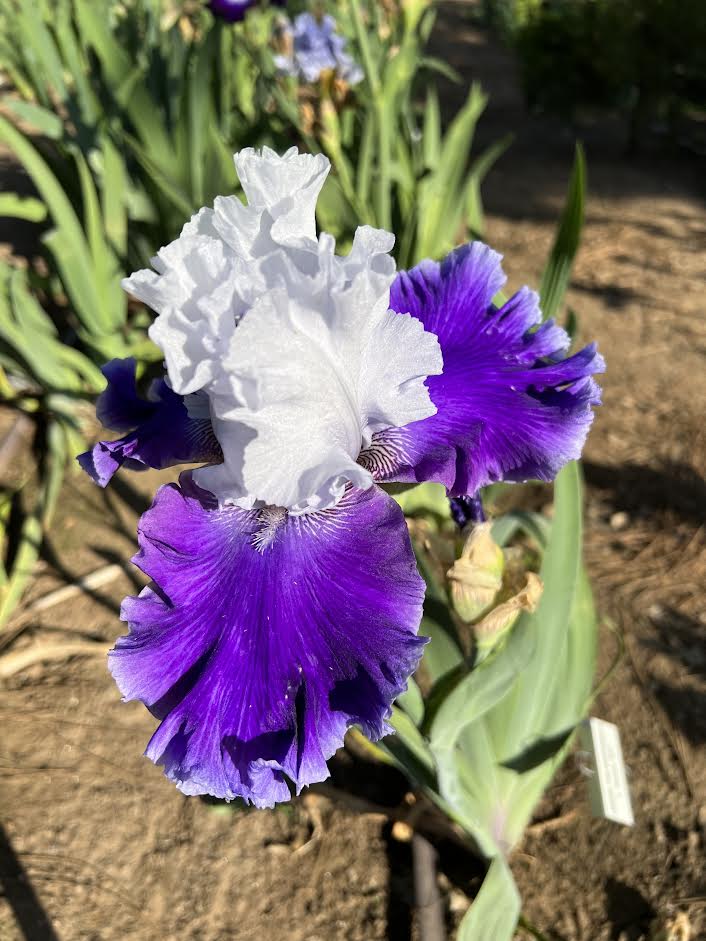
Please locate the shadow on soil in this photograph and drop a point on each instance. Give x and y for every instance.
(640, 488)
(31, 918)
(628, 911)
(682, 695)
(457, 866)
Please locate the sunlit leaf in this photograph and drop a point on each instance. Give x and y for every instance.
(557, 273)
(495, 910)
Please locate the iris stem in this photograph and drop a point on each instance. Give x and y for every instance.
(364, 46)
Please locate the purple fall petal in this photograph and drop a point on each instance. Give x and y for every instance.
(265, 636)
(509, 405)
(160, 431)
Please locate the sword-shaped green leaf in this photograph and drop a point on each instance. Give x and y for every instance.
(483, 687)
(520, 721)
(495, 911)
(22, 207)
(555, 278)
(67, 242)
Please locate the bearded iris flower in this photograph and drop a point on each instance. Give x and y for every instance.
(285, 602)
(312, 47)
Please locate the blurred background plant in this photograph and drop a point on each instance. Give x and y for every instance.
(643, 58)
(398, 165)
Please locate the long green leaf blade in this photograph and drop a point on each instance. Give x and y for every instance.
(519, 721)
(555, 278)
(69, 243)
(42, 119)
(494, 914)
(482, 688)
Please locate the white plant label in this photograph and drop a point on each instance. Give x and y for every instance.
(608, 785)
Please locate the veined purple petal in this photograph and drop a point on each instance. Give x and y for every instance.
(265, 636)
(510, 405)
(160, 431)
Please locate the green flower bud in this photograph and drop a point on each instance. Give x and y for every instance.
(499, 622)
(477, 577)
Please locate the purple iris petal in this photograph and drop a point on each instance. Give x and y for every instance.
(465, 510)
(234, 10)
(120, 407)
(510, 406)
(230, 10)
(160, 431)
(265, 636)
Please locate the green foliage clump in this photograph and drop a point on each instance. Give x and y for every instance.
(643, 57)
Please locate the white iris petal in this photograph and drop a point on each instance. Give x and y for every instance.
(296, 347)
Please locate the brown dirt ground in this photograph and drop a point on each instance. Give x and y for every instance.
(96, 846)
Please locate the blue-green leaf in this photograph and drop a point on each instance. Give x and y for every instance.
(495, 911)
(486, 685)
(519, 722)
(412, 702)
(555, 278)
(442, 655)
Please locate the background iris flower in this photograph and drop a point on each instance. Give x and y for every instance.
(234, 10)
(313, 46)
(285, 601)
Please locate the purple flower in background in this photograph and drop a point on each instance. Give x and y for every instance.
(313, 46)
(162, 430)
(285, 602)
(234, 10)
(230, 10)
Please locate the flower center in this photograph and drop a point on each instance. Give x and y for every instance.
(270, 519)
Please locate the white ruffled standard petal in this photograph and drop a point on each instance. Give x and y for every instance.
(296, 405)
(207, 278)
(313, 370)
(195, 292)
(296, 347)
(286, 188)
